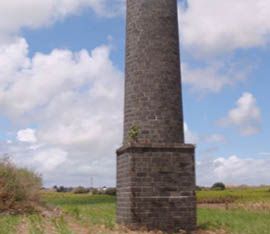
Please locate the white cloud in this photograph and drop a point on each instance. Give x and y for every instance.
(102, 172)
(49, 159)
(209, 26)
(213, 77)
(75, 100)
(215, 26)
(17, 14)
(213, 138)
(13, 57)
(190, 137)
(46, 77)
(246, 116)
(27, 135)
(233, 171)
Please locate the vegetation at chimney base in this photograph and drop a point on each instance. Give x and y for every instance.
(133, 133)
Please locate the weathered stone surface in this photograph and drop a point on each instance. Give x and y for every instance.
(156, 187)
(152, 84)
(155, 171)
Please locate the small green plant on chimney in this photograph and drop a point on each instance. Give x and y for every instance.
(133, 133)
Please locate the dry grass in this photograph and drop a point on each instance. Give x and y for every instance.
(66, 224)
(19, 188)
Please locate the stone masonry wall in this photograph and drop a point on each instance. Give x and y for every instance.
(153, 99)
(155, 187)
(155, 171)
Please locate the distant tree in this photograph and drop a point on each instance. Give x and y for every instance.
(60, 189)
(111, 191)
(218, 186)
(80, 189)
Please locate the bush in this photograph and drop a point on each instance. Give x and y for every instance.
(19, 187)
(218, 186)
(80, 190)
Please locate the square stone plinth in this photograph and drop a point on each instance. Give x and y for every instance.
(156, 187)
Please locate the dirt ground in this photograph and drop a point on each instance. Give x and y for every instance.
(48, 225)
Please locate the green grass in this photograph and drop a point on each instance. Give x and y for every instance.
(235, 221)
(100, 210)
(35, 224)
(93, 209)
(261, 194)
(8, 224)
(61, 225)
(61, 199)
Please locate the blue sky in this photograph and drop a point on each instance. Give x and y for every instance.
(62, 74)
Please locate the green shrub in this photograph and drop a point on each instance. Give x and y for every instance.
(218, 186)
(19, 187)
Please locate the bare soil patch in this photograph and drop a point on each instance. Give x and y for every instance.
(23, 227)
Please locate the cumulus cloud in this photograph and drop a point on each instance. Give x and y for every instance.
(208, 26)
(233, 171)
(213, 77)
(246, 116)
(217, 26)
(75, 100)
(16, 14)
(27, 135)
(71, 167)
(49, 159)
(33, 83)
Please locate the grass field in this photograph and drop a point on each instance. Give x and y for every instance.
(233, 211)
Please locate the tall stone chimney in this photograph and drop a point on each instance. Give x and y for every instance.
(155, 169)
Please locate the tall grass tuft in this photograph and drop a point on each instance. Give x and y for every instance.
(19, 188)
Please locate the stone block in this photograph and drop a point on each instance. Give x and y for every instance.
(156, 187)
